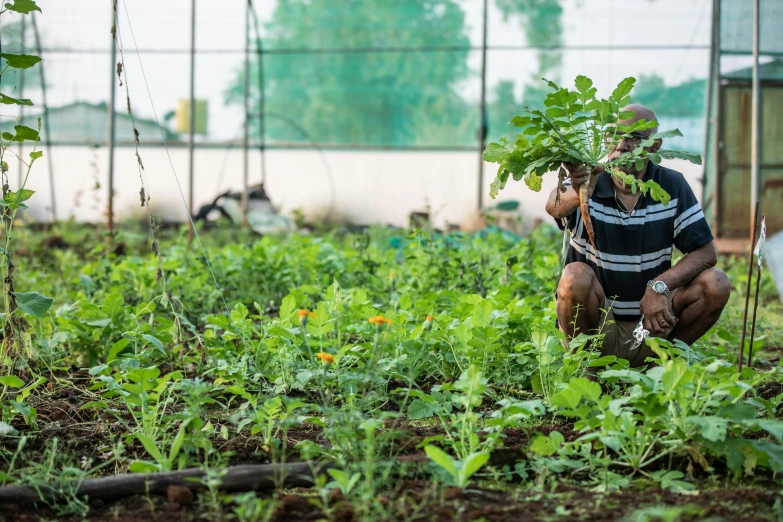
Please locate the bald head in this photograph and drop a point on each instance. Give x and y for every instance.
(640, 112)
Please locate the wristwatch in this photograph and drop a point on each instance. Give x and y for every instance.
(659, 287)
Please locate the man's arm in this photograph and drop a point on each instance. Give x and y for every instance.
(655, 307)
(690, 266)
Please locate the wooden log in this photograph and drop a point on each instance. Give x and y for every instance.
(255, 477)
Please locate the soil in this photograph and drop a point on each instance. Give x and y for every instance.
(421, 500)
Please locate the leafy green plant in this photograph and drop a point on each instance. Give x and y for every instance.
(32, 303)
(461, 470)
(579, 128)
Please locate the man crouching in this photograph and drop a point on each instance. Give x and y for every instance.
(629, 274)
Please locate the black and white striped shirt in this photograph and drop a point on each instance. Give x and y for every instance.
(632, 249)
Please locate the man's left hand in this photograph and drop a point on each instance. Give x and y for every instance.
(658, 316)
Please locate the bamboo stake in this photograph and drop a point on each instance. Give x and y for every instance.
(753, 321)
(755, 301)
(747, 291)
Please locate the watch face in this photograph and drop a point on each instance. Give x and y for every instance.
(659, 287)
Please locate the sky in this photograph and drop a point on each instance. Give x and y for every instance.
(76, 41)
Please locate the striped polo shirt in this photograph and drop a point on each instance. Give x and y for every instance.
(632, 249)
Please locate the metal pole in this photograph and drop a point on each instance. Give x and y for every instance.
(47, 130)
(246, 94)
(755, 120)
(111, 111)
(262, 99)
(192, 109)
(710, 122)
(483, 109)
(20, 178)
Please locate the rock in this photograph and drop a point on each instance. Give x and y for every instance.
(179, 495)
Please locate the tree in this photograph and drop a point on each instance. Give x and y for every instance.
(683, 100)
(501, 108)
(362, 95)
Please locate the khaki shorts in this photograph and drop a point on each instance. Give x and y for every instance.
(616, 333)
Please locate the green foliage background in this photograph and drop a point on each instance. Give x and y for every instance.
(412, 93)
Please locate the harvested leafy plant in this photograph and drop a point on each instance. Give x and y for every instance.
(578, 128)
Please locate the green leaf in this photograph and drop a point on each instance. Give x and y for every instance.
(116, 349)
(534, 182)
(472, 464)
(8, 136)
(178, 440)
(676, 376)
(420, 410)
(496, 152)
(33, 303)
(35, 155)
(14, 101)
(287, 307)
(583, 84)
(154, 341)
(143, 374)
(23, 6)
(587, 388)
(25, 134)
(679, 154)
(12, 381)
(672, 133)
(149, 445)
(773, 427)
(566, 398)
(142, 466)
(442, 459)
(24, 195)
(711, 428)
(543, 446)
(20, 61)
(622, 90)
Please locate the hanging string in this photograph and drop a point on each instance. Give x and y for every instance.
(145, 189)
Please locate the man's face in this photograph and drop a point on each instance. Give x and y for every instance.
(628, 144)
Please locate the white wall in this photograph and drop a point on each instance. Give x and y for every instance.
(369, 186)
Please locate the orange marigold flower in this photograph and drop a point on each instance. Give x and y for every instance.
(325, 357)
(303, 313)
(429, 318)
(379, 320)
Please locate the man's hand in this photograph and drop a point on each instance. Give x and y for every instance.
(658, 316)
(581, 175)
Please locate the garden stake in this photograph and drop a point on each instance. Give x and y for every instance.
(759, 251)
(747, 291)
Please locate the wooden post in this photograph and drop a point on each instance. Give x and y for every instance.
(483, 111)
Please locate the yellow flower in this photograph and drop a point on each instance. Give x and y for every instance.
(379, 320)
(325, 357)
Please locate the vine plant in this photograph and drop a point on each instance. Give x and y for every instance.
(31, 303)
(579, 128)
